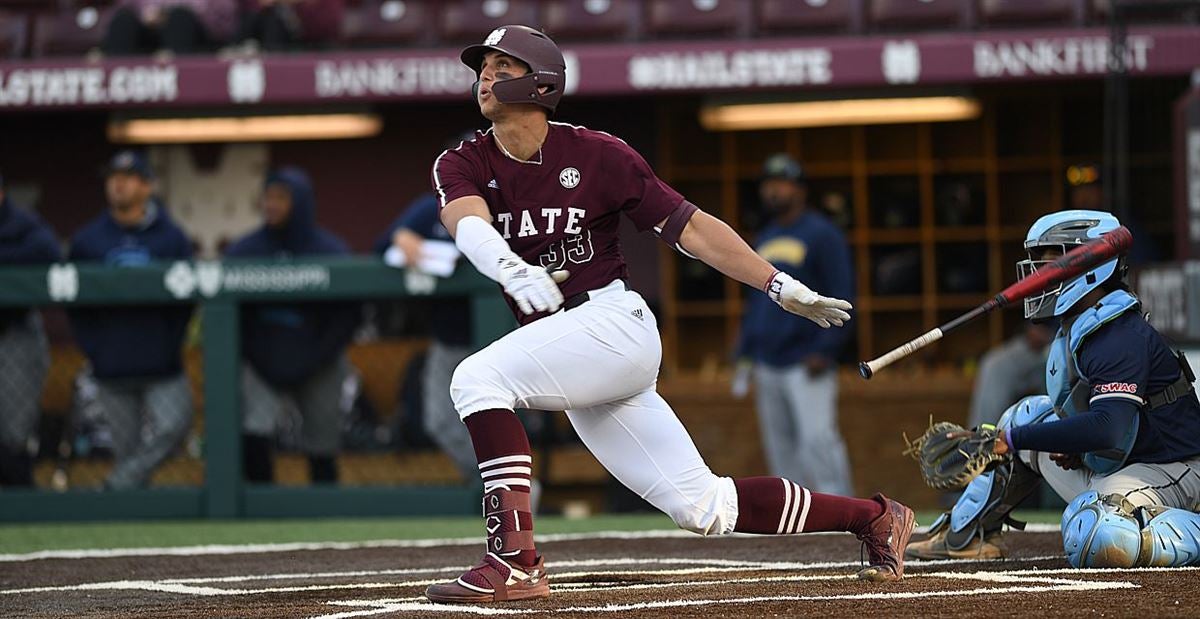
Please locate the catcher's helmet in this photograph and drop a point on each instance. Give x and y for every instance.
(546, 65)
(1067, 230)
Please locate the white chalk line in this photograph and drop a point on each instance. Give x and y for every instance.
(231, 549)
(594, 586)
(180, 586)
(1014, 577)
(186, 585)
(397, 606)
(1014, 581)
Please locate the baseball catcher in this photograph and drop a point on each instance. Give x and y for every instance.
(1117, 435)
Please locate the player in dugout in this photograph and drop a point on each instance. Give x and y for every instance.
(535, 206)
(1117, 435)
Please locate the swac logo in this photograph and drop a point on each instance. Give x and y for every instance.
(62, 280)
(1115, 388)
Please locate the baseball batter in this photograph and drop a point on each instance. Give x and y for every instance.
(534, 205)
(1118, 435)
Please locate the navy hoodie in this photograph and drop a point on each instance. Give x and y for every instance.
(286, 343)
(131, 342)
(24, 239)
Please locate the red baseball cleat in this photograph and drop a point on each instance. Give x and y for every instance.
(885, 539)
(493, 580)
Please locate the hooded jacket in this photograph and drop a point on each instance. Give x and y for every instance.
(24, 239)
(286, 343)
(131, 342)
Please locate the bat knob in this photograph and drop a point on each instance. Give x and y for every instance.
(864, 370)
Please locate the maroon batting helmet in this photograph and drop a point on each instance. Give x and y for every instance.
(546, 65)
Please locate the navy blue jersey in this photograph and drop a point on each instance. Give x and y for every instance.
(1124, 361)
(424, 218)
(449, 319)
(813, 250)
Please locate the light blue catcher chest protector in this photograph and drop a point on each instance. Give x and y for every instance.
(1070, 390)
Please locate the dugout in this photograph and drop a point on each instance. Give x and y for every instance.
(934, 210)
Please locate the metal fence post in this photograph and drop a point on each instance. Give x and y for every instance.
(222, 409)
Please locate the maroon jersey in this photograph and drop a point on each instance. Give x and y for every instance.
(561, 209)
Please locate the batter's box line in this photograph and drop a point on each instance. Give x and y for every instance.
(231, 549)
(191, 586)
(380, 607)
(180, 585)
(1013, 576)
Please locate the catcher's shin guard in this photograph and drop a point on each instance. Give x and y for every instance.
(1108, 531)
(984, 507)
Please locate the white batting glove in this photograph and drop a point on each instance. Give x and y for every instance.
(533, 288)
(799, 299)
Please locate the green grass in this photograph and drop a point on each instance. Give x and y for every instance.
(20, 538)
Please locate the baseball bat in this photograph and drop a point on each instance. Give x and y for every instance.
(1064, 267)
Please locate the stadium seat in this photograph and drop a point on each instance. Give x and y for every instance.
(1149, 11)
(70, 32)
(13, 30)
(1020, 12)
(808, 16)
(472, 20)
(25, 5)
(696, 16)
(917, 14)
(589, 19)
(374, 23)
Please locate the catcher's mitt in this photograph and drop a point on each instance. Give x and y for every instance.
(951, 455)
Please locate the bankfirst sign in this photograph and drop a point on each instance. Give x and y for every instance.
(603, 70)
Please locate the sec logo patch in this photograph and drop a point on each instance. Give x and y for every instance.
(569, 177)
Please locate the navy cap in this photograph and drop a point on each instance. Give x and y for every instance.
(781, 165)
(130, 162)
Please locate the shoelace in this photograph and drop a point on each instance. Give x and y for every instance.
(863, 546)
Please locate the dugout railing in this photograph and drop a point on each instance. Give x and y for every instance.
(217, 289)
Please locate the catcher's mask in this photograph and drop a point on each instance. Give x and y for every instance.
(544, 83)
(1064, 231)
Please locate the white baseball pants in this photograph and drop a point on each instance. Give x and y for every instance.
(1171, 484)
(599, 363)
